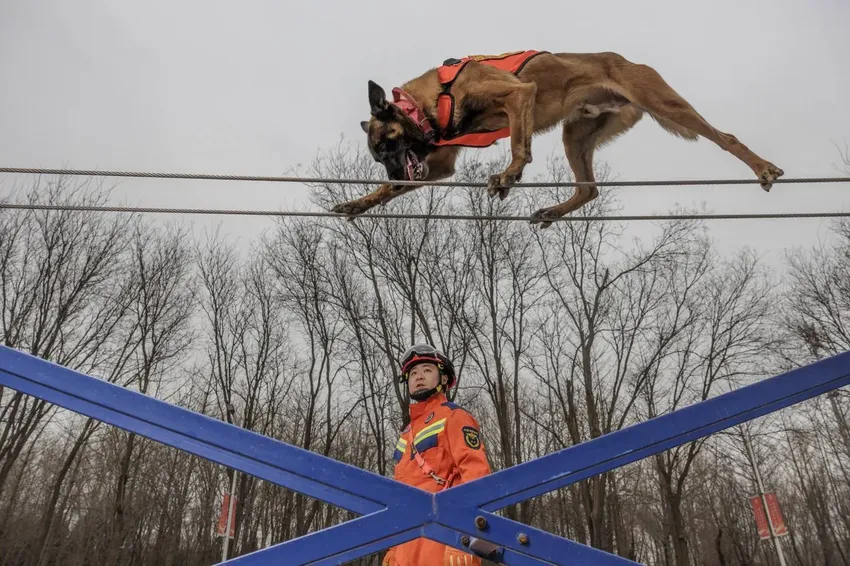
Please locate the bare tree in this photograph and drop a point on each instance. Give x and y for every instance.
(722, 347)
(249, 354)
(58, 302)
(559, 335)
(844, 155)
(816, 321)
(604, 325)
(298, 257)
(351, 297)
(159, 273)
(486, 295)
(365, 241)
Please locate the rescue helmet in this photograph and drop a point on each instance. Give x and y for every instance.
(425, 353)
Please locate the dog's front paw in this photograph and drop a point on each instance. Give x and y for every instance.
(500, 185)
(768, 175)
(351, 208)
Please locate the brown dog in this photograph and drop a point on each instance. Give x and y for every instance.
(476, 100)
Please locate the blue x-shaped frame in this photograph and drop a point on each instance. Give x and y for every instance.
(391, 512)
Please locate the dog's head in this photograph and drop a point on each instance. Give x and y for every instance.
(394, 139)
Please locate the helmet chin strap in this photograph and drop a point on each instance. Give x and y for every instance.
(425, 394)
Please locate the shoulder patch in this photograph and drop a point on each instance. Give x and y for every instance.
(471, 438)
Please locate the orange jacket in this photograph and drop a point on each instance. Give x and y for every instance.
(448, 440)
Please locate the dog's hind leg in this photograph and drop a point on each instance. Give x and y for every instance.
(581, 138)
(441, 165)
(645, 87)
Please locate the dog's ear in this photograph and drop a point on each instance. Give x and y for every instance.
(365, 126)
(377, 99)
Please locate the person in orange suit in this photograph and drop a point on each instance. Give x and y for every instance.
(440, 448)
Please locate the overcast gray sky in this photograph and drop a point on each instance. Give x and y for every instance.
(257, 87)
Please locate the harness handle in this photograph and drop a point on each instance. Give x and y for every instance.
(427, 469)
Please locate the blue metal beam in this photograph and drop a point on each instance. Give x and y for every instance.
(344, 542)
(335, 482)
(395, 513)
(605, 453)
(447, 536)
(542, 547)
(367, 550)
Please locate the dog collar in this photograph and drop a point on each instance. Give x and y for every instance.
(406, 104)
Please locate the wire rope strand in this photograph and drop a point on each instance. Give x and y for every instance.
(323, 180)
(494, 217)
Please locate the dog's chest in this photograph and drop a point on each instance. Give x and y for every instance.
(472, 114)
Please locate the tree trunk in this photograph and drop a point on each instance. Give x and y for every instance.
(117, 529)
(677, 530)
(50, 512)
(625, 544)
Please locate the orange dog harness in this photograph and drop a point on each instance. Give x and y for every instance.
(448, 73)
(512, 62)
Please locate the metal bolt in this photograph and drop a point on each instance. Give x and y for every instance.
(481, 522)
(522, 538)
(464, 540)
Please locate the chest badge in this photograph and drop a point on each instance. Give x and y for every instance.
(428, 418)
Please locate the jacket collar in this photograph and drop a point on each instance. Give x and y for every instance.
(427, 406)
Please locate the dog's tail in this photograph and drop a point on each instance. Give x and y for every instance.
(674, 128)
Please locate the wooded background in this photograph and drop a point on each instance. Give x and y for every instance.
(559, 336)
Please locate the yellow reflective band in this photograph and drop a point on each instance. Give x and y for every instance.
(431, 430)
(401, 445)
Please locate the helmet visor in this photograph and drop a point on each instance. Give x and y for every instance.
(419, 349)
(417, 354)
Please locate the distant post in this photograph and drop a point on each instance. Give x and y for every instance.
(766, 507)
(231, 500)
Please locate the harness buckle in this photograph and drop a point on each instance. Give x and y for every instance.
(429, 471)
